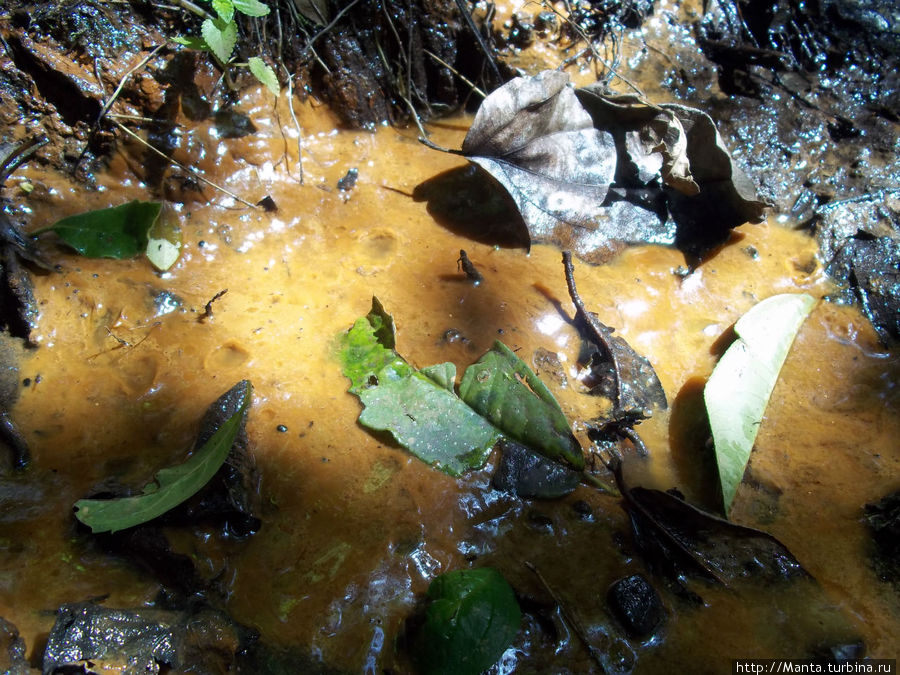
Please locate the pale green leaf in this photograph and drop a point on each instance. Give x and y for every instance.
(164, 242)
(172, 485)
(265, 74)
(224, 8)
(442, 373)
(220, 37)
(739, 388)
(251, 7)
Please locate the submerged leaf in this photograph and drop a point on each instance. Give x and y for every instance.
(471, 618)
(679, 540)
(164, 239)
(738, 390)
(504, 389)
(116, 232)
(534, 137)
(172, 485)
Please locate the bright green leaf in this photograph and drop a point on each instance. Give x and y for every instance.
(224, 8)
(172, 485)
(251, 7)
(738, 390)
(197, 43)
(117, 232)
(164, 240)
(442, 373)
(504, 389)
(471, 618)
(220, 37)
(264, 73)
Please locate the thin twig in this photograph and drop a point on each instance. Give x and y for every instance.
(453, 70)
(194, 9)
(183, 167)
(208, 310)
(333, 22)
(467, 17)
(290, 100)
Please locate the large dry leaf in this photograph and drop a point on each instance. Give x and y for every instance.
(534, 137)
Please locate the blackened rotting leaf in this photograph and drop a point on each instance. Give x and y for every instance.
(268, 204)
(143, 639)
(871, 269)
(232, 496)
(680, 541)
(526, 474)
(348, 182)
(534, 137)
(622, 375)
(12, 650)
(18, 308)
(883, 518)
(468, 268)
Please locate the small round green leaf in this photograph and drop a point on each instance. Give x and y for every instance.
(471, 618)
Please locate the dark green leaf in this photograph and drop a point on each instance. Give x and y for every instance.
(738, 390)
(172, 485)
(504, 389)
(220, 37)
(471, 618)
(117, 232)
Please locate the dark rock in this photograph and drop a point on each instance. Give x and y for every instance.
(636, 604)
(524, 473)
(883, 517)
(12, 650)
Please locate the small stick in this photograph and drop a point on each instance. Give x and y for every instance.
(183, 167)
(208, 310)
(453, 70)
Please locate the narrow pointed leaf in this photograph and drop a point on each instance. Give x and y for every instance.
(738, 390)
(172, 485)
(264, 73)
(504, 389)
(251, 7)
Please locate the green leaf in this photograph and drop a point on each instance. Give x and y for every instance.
(197, 43)
(224, 8)
(422, 414)
(471, 618)
(251, 7)
(220, 37)
(117, 232)
(172, 485)
(738, 390)
(264, 73)
(164, 240)
(502, 388)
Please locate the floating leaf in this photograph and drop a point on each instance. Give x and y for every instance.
(422, 414)
(535, 138)
(265, 74)
(738, 390)
(502, 388)
(164, 239)
(251, 7)
(172, 485)
(471, 618)
(500, 395)
(220, 37)
(117, 232)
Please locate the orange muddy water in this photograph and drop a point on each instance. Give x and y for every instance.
(354, 529)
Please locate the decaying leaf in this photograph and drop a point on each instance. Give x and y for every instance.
(592, 172)
(534, 137)
(622, 375)
(164, 239)
(680, 541)
(738, 390)
(172, 485)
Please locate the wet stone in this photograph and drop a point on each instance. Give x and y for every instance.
(636, 605)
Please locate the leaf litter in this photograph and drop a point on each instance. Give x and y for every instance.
(592, 171)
